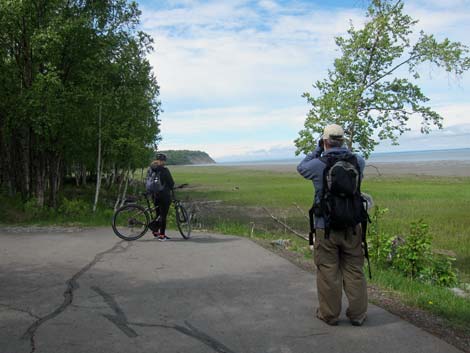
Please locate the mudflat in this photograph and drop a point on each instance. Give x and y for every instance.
(426, 168)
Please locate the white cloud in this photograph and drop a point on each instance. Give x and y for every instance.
(223, 53)
(233, 119)
(269, 5)
(228, 67)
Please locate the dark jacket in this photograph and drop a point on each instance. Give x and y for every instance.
(165, 176)
(312, 168)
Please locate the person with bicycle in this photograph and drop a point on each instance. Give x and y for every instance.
(160, 183)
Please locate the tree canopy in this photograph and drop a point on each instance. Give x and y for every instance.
(371, 90)
(73, 77)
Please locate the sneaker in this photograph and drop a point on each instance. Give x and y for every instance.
(329, 322)
(161, 238)
(156, 234)
(358, 322)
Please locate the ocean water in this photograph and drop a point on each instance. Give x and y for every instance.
(461, 154)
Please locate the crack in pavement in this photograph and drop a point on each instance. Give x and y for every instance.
(12, 308)
(72, 285)
(120, 319)
(193, 332)
(121, 322)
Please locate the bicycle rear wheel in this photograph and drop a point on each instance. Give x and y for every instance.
(130, 222)
(183, 221)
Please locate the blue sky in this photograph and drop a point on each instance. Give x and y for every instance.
(232, 72)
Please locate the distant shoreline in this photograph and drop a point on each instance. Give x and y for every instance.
(445, 163)
(458, 154)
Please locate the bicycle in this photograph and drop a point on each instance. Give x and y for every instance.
(131, 221)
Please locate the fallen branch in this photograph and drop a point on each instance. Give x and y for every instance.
(285, 225)
(377, 169)
(301, 210)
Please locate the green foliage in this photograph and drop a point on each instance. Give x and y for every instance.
(413, 258)
(379, 241)
(436, 299)
(33, 210)
(64, 64)
(364, 93)
(74, 208)
(442, 271)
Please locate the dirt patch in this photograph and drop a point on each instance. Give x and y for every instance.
(391, 302)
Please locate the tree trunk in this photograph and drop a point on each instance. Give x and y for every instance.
(40, 176)
(111, 177)
(123, 198)
(26, 168)
(77, 175)
(83, 174)
(119, 194)
(99, 162)
(54, 180)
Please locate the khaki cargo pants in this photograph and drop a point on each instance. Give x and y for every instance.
(339, 260)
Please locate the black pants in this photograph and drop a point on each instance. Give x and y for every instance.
(162, 202)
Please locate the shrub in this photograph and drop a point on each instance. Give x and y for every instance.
(413, 256)
(74, 208)
(380, 243)
(33, 210)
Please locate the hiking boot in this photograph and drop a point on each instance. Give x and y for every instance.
(329, 322)
(359, 322)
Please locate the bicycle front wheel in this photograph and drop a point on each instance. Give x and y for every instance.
(183, 221)
(130, 222)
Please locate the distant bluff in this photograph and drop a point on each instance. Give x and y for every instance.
(181, 157)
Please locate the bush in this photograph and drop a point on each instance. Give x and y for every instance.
(443, 273)
(380, 243)
(34, 211)
(412, 256)
(74, 208)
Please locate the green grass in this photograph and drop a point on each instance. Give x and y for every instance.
(435, 299)
(443, 203)
(78, 213)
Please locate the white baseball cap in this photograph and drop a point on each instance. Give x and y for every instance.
(333, 131)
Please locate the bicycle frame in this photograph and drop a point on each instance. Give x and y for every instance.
(153, 209)
(150, 209)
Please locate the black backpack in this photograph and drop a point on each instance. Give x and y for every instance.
(154, 184)
(341, 203)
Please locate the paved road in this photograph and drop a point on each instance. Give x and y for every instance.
(86, 291)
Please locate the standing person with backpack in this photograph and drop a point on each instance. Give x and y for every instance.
(336, 174)
(160, 183)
